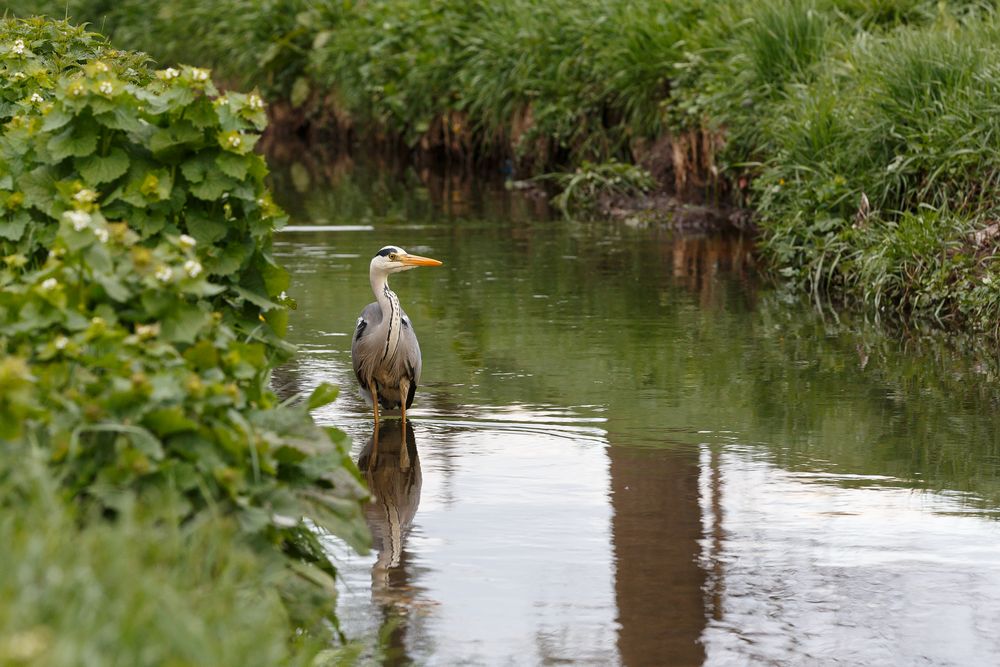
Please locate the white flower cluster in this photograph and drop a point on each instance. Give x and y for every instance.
(147, 330)
(50, 284)
(61, 342)
(254, 102)
(164, 274)
(36, 98)
(199, 74)
(187, 242)
(234, 140)
(170, 73)
(193, 268)
(85, 196)
(18, 46)
(17, 76)
(106, 88)
(79, 219)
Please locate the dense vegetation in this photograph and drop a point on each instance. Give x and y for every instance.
(793, 108)
(141, 313)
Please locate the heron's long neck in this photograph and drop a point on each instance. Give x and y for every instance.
(391, 312)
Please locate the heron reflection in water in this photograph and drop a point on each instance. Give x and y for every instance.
(393, 477)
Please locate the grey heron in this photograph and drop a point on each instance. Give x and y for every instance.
(384, 350)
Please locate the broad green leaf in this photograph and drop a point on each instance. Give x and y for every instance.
(38, 187)
(184, 322)
(115, 288)
(181, 132)
(322, 395)
(167, 421)
(147, 223)
(194, 169)
(124, 118)
(257, 299)
(276, 278)
(56, 119)
(201, 113)
(13, 227)
(278, 319)
(233, 165)
(97, 258)
(206, 230)
(73, 142)
(230, 259)
(202, 355)
(212, 186)
(96, 169)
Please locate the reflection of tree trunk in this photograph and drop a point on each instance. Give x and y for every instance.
(658, 582)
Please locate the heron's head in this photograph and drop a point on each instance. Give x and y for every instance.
(393, 259)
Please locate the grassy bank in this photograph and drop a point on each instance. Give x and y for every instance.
(75, 589)
(792, 108)
(141, 314)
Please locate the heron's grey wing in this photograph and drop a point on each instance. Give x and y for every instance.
(411, 348)
(363, 343)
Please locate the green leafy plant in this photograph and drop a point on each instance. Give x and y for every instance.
(140, 307)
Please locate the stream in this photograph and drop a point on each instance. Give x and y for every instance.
(625, 450)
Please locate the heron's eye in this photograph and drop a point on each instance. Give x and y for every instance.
(392, 257)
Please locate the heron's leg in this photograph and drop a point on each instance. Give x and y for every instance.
(404, 391)
(374, 393)
(404, 453)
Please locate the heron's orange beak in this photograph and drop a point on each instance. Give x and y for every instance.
(417, 260)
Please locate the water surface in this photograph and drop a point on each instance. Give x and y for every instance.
(624, 452)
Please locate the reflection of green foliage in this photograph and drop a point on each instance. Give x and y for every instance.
(140, 307)
(583, 188)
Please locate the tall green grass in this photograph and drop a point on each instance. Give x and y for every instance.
(907, 118)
